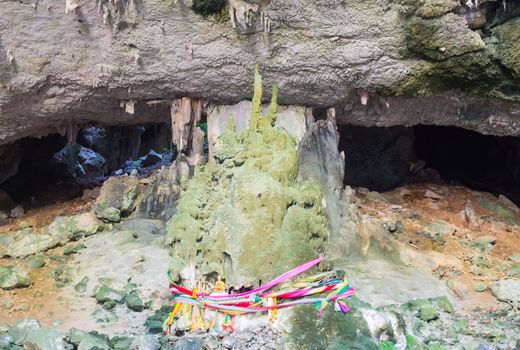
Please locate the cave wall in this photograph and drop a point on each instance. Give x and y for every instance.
(123, 62)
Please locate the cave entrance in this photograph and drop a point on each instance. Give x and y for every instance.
(382, 158)
(35, 171)
(482, 162)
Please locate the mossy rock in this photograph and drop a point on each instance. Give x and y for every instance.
(508, 46)
(244, 217)
(334, 330)
(442, 37)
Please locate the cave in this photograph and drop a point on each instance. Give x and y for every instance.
(36, 168)
(381, 159)
(481, 162)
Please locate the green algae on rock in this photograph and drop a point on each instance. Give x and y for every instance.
(244, 216)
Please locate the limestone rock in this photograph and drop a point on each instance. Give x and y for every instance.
(35, 261)
(104, 294)
(134, 302)
(22, 329)
(74, 227)
(26, 243)
(118, 194)
(508, 48)
(14, 277)
(507, 290)
(249, 192)
(91, 342)
(45, 339)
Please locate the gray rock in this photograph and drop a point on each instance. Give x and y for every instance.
(35, 261)
(507, 290)
(76, 336)
(45, 339)
(134, 302)
(14, 277)
(151, 158)
(105, 294)
(121, 343)
(146, 342)
(228, 342)
(6, 340)
(91, 342)
(117, 198)
(27, 243)
(21, 329)
(17, 212)
(156, 227)
(186, 343)
(74, 227)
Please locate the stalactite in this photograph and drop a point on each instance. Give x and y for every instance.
(129, 106)
(188, 138)
(10, 57)
(242, 13)
(71, 6)
(363, 96)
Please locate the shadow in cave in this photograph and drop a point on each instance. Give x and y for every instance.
(381, 158)
(481, 162)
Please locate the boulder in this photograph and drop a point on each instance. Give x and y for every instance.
(105, 294)
(91, 342)
(117, 198)
(507, 290)
(26, 242)
(151, 158)
(14, 277)
(22, 329)
(35, 261)
(45, 339)
(74, 227)
(134, 302)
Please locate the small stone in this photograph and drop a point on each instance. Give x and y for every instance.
(73, 249)
(133, 302)
(14, 277)
(91, 342)
(507, 290)
(21, 329)
(110, 214)
(477, 271)
(515, 258)
(35, 261)
(191, 344)
(460, 326)
(104, 294)
(81, 286)
(443, 303)
(76, 336)
(428, 314)
(377, 197)
(48, 339)
(228, 342)
(146, 342)
(17, 211)
(479, 287)
(121, 343)
(109, 305)
(432, 195)
(488, 239)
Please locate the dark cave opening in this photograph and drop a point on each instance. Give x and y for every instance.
(34, 170)
(482, 162)
(382, 158)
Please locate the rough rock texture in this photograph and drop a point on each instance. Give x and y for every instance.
(124, 65)
(244, 216)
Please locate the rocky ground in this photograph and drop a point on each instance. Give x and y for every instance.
(458, 287)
